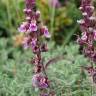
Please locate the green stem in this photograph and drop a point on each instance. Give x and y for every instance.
(9, 14)
(52, 18)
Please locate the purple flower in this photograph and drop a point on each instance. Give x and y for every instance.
(40, 81)
(26, 10)
(46, 32)
(23, 27)
(33, 27)
(43, 83)
(35, 80)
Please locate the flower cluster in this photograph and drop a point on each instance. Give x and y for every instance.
(34, 31)
(88, 28)
(87, 39)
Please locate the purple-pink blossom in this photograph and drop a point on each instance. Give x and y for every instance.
(33, 27)
(46, 32)
(23, 27)
(40, 81)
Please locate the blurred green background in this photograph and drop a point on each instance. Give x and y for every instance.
(67, 76)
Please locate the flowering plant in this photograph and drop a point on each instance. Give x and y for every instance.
(34, 31)
(88, 36)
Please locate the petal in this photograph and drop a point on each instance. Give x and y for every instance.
(46, 33)
(33, 27)
(23, 27)
(81, 21)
